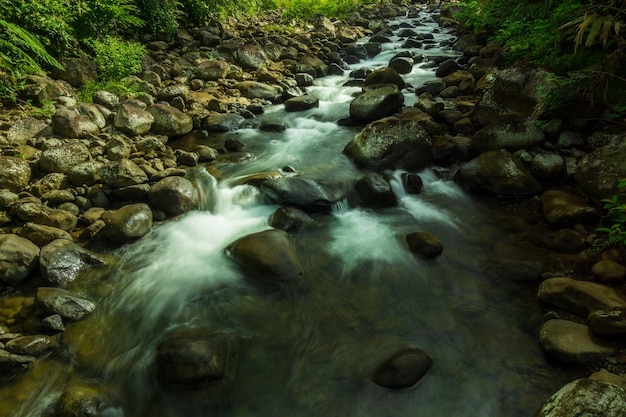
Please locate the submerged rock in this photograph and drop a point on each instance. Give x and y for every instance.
(290, 219)
(586, 397)
(174, 195)
(424, 244)
(270, 253)
(403, 369)
(565, 209)
(82, 399)
(374, 191)
(376, 103)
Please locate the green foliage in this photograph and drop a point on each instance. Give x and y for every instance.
(100, 18)
(122, 88)
(116, 58)
(615, 219)
(304, 9)
(161, 16)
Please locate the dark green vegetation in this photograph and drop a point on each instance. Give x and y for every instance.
(34, 34)
(615, 219)
(581, 41)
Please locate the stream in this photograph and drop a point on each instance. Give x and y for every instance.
(303, 352)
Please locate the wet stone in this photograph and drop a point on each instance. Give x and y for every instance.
(566, 341)
(63, 303)
(34, 345)
(404, 369)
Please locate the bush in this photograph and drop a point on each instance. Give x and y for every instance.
(98, 18)
(615, 219)
(161, 16)
(116, 58)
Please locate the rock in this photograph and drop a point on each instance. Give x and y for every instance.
(608, 271)
(85, 173)
(122, 173)
(391, 143)
(579, 297)
(510, 132)
(133, 120)
(169, 120)
(320, 68)
(93, 113)
(498, 172)
(106, 99)
(270, 253)
(412, 183)
(464, 80)
(290, 219)
(304, 80)
(563, 241)
(41, 235)
(40, 214)
(25, 129)
(403, 369)
(600, 171)
(62, 261)
(447, 67)
(424, 244)
(71, 124)
(14, 173)
(31, 345)
(305, 193)
(195, 359)
(585, 397)
(53, 323)
(174, 195)
(566, 341)
(251, 57)
(402, 64)
(385, 76)
(301, 103)
(171, 92)
(423, 119)
(376, 103)
(520, 270)
(212, 70)
(607, 322)
(85, 400)
(77, 71)
(45, 90)
(64, 303)
(18, 258)
(254, 89)
(565, 209)
(432, 87)
(127, 223)
(10, 364)
(63, 158)
(374, 191)
(222, 122)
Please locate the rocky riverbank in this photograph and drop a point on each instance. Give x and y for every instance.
(98, 175)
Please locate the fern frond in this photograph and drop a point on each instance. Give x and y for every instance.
(26, 41)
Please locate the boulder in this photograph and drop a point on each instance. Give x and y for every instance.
(127, 223)
(93, 113)
(18, 258)
(63, 158)
(85, 399)
(122, 173)
(41, 214)
(44, 90)
(402, 64)
(607, 322)
(385, 75)
(424, 244)
(497, 172)
(71, 124)
(569, 342)
(290, 219)
(254, 89)
(608, 271)
(174, 195)
(85, 173)
(251, 57)
(30, 345)
(222, 122)
(170, 121)
(510, 132)
(14, 173)
(600, 171)
(191, 359)
(11, 364)
(391, 143)
(305, 193)
(564, 209)
(579, 297)
(270, 254)
(54, 300)
(26, 128)
(374, 191)
(376, 103)
(133, 120)
(77, 71)
(402, 370)
(213, 70)
(62, 261)
(547, 165)
(301, 103)
(585, 397)
(106, 99)
(41, 235)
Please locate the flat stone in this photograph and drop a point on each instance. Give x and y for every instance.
(579, 297)
(566, 341)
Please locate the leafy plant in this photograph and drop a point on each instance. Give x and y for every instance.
(117, 58)
(161, 16)
(101, 18)
(120, 88)
(615, 219)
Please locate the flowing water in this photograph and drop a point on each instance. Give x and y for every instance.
(308, 352)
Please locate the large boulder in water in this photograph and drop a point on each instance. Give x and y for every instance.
(497, 172)
(62, 261)
(18, 257)
(376, 103)
(270, 253)
(600, 171)
(585, 397)
(174, 195)
(403, 369)
(566, 209)
(510, 132)
(391, 143)
(385, 75)
(305, 193)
